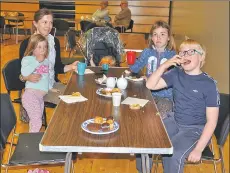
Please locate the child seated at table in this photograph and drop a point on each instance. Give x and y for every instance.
(196, 106)
(161, 48)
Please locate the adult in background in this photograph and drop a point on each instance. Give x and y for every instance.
(42, 24)
(102, 14)
(123, 18)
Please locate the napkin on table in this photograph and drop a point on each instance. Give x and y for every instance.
(72, 99)
(87, 71)
(132, 100)
(101, 80)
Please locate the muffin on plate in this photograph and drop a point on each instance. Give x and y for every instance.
(94, 127)
(98, 120)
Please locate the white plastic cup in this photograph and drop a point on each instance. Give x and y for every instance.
(116, 99)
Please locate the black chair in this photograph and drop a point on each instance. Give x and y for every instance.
(11, 72)
(87, 25)
(221, 133)
(62, 27)
(130, 26)
(3, 27)
(122, 29)
(27, 148)
(71, 38)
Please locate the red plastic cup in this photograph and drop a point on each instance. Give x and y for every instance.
(131, 57)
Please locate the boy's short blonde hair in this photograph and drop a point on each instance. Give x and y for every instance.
(199, 45)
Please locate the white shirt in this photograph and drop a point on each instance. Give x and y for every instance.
(51, 58)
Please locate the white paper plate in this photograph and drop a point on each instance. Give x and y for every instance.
(85, 123)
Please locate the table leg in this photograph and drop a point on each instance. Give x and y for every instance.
(145, 163)
(68, 162)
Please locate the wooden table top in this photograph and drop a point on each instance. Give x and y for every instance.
(140, 131)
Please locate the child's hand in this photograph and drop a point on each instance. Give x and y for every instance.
(33, 78)
(176, 60)
(127, 72)
(74, 65)
(194, 156)
(55, 90)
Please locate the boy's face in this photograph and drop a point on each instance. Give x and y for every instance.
(160, 37)
(192, 57)
(40, 51)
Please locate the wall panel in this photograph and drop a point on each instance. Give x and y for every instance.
(27, 9)
(208, 23)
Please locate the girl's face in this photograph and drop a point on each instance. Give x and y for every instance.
(160, 37)
(40, 51)
(192, 57)
(44, 25)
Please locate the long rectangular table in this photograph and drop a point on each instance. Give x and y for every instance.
(140, 131)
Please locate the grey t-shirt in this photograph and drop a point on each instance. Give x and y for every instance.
(191, 94)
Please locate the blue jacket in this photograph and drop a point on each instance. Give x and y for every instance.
(152, 60)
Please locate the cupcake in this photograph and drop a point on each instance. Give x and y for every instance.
(98, 120)
(135, 106)
(94, 127)
(76, 94)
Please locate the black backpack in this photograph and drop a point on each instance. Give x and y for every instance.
(102, 49)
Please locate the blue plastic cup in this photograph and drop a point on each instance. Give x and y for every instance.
(81, 68)
(105, 67)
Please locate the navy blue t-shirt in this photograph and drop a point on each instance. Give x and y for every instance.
(192, 94)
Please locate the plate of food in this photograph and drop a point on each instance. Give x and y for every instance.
(134, 78)
(107, 92)
(100, 126)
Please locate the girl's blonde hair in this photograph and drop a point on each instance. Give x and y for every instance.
(108, 60)
(33, 42)
(171, 43)
(201, 47)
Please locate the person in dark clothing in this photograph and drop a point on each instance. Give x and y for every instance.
(42, 24)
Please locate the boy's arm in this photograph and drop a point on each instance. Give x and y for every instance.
(212, 118)
(155, 81)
